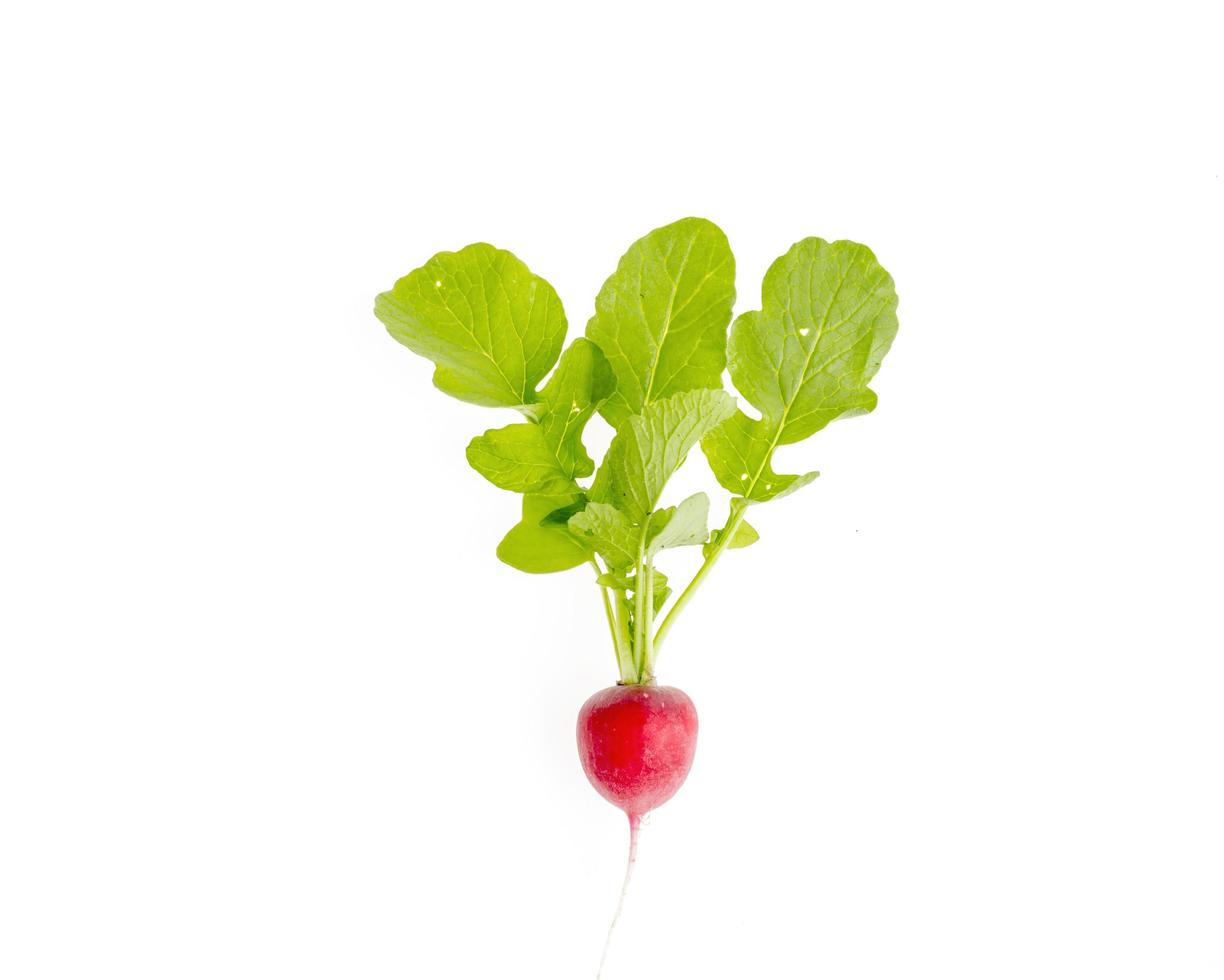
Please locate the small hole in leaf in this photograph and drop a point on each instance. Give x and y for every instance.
(437, 282)
(804, 331)
(743, 476)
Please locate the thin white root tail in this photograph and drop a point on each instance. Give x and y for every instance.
(634, 824)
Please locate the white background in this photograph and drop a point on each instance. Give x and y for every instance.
(270, 707)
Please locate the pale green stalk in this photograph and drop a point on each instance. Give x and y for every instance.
(643, 609)
(648, 628)
(613, 626)
(724, 540)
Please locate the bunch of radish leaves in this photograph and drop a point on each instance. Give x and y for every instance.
(651, 363)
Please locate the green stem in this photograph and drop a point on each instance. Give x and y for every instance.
(639, 606)
(628, 669)
(647, 672)
(724, 539)
(639, 618)
(607, 604)
(642, 600)
(619, 630)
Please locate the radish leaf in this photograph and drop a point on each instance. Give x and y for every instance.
(675, 527)
(609, 532)
(544, 456)
(744, 535)
(650, 447)
(492, 328)
(827, 318)
(617, 539)
(531, 546)
(740, 453)
(626, 583)
(661, 318)
(518, 457)
(583, 379)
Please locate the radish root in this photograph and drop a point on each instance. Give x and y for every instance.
(635, 823)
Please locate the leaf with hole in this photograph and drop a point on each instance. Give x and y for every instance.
(491, 327)
(828, 316)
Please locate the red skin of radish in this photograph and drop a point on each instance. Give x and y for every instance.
(637, 743)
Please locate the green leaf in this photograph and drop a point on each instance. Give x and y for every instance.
(676, 527)
(661, 318)
(647, 450)
(827, 318)
(519, 458)
(661, 591)
(617, 538)
(744, 535)
(650, 447)
(740, 452)
(545, 456)
(582, 380)
(492, 327)
(561, 515)
(609, 532)
(625, 583)
(539, 548)
(615, 580)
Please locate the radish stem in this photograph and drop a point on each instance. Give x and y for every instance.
(643, 605)
(739, 510)
(648, 632)
(617, 644)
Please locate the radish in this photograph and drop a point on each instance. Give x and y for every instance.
(636, 742)
(651, 364)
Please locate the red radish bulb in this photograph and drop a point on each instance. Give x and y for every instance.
(637, 743)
